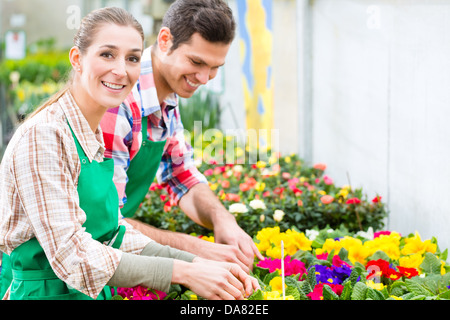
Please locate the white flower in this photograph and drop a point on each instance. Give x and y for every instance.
(257, 204)
(367, 235)
(238, 208)
(278, 215)
(311, 234)
(238, 168)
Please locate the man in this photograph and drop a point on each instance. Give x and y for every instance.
(144, 135)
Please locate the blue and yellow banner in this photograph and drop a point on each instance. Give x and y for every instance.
(255, 35)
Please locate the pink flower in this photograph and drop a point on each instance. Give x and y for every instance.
(323, 256)
(338, 262)
(290, 266)
(327, 180)
(317, 293)
(140, 293)
(380, 233)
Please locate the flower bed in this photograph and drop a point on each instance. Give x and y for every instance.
(281, 191)
(337, 265)
(331, 251)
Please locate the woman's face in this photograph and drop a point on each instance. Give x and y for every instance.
(109, 68)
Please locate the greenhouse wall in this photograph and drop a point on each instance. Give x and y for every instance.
(378, 103)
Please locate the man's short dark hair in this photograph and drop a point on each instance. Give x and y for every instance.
(212, 19)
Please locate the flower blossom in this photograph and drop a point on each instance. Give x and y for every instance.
(237, 208)
(278, 215)
(257, 204)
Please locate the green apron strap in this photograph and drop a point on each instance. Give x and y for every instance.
(142, 171)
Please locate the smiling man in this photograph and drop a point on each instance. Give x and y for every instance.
(144, 135)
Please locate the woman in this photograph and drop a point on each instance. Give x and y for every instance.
(59, 214)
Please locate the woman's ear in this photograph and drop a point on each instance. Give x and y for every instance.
(164, 39)
(75, 58)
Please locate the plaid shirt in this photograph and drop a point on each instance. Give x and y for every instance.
(38, 197)
(122, 126)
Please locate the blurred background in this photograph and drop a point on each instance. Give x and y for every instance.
(362, 86)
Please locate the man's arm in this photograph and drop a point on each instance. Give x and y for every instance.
(194, 245)
(203, 207)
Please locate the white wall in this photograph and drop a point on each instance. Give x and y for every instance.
(380, 97)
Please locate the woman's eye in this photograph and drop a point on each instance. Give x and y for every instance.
(135, 59)
(106, 55)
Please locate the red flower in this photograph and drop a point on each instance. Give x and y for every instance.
(376, 199)
(353, 201)
(408, 272)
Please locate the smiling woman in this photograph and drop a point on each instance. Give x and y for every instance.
(52, 237)
(59, 207)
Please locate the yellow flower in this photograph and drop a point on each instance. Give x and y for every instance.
(376, 286)
(287, 159)
(344, 193)
(411, 261)
(390, 244)
(275, 295)
(21, 95)
(206, 238)
(277, 284)
(193, 297)
(261, 164)
(260, 186)
(396, 298)
(416, 245)
(213, 186)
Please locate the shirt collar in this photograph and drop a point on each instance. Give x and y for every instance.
(91, 143)
(149, 96)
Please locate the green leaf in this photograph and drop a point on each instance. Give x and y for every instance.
(379, 255)
(329, 294)
(416, 288)
(270, 276)
(257, 295)
(431, 264)
(374, 294)
(311, 278)
(291, 291)
(353, 276)
(359, 291)
(346, 291)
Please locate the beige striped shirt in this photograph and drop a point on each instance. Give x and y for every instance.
(38, 197)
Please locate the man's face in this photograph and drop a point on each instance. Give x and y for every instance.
(192, 64)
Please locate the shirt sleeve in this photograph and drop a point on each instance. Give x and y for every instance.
(177, 168)
(45, 173)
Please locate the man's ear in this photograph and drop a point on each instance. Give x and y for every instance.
(164, 39)
(75, 58)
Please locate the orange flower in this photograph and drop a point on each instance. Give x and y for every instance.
(320, 166)
(327, 199)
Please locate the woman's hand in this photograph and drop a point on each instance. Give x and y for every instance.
(214, 280)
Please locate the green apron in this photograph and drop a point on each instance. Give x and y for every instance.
(27, 268)
(142, 171)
